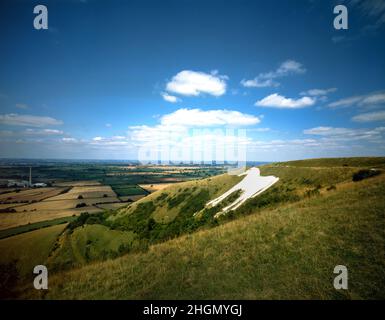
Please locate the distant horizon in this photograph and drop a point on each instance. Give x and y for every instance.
(174, 162)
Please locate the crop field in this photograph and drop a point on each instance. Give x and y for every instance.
(15, 219)
(41, 204)
(81, 187)
(86, 192)
(34, 226)
(5, 206)
(78, 183)
(128, 190)
(30, 195)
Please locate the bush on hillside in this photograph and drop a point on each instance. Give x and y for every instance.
(86, 218)
(195, 203)
(81, 205)
(161, 197)
(364, 174)
(275, 195)
(178, 199)
(312, 192)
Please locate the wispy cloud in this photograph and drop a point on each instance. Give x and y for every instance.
(111, 141)
(348, 134)
(370, 117)
(22, 106)
(268, 79)
(374, 9)
(277, 101)
(318, 92)
(65, 139)
(362, 100)
(43, 132)
(193, 83)
(14, 119)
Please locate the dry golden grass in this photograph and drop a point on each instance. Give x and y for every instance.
(86, 192)
(10, 205)
(51, 203)
(34, 194)
(78, 183)
(15, 219)
(154, 187)
(61, 204)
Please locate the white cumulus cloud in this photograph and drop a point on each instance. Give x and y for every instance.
(192, 83)
(277, 101)
(169, 98)
(198, 117)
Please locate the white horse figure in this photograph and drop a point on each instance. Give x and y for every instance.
(252, 185)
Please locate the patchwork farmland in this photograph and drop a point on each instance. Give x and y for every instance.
(74, 188)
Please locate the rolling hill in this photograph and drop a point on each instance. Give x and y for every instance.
(281, 244)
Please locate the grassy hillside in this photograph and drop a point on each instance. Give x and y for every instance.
(171, 200)
(110, 234)
(376, 162)
(29, 249)
(172, 212)
(285, 252)
(87, 243)
(313, 217)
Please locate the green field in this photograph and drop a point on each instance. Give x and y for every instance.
(127, 190)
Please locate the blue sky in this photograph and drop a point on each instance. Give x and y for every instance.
(108, 77)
